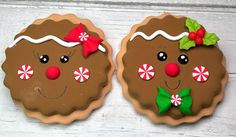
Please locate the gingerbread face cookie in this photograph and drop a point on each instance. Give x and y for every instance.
(172, 70)
(59, 68)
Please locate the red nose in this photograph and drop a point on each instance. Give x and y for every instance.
(172, 69)
(53, 72)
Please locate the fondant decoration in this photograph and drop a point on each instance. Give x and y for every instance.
(182, 100)
(197, 36)
(53, 94)
(90, 43)
(176, 100)
(159, 32)
(44, 59)
(172, 69)
(50, 37)
(183, 59)
(162, 56)
(53, 72)
(25, 72)
(200, 74)
(64, 59)
(146, 72)
(81, 74)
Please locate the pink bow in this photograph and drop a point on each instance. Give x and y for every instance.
(90, 43)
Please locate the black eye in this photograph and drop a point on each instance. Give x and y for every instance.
(64, 59)
(183, 59)
(162, 56)
(44, 58)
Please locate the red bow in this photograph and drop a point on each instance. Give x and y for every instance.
(90, 43)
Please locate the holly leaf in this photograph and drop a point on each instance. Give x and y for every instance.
(192, 25)
(210, 39)
(186, 44)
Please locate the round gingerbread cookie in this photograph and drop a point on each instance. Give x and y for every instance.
(59, 69)
(171, 69)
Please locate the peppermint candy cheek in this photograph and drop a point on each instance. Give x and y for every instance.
(146, 72)
(25, 72)
(82, 74)
(200, 74)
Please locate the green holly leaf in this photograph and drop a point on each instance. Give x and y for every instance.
(210, 39)
(186, 44)
(192, 25)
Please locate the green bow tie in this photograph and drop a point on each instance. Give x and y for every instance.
(164, 100)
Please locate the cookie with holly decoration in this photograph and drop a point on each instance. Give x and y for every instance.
(59, 69)
(171, 69)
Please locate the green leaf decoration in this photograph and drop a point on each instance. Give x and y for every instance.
(187, 101)
(163, 100)
(210, 39)
(186, 44)
(186, 104)
(192, 25)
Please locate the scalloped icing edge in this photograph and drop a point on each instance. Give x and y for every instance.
(152, 116)
(78, 114)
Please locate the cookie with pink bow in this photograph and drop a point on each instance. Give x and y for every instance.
(171, 69)
(59, 69)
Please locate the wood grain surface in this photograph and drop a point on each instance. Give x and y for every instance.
(117, 117)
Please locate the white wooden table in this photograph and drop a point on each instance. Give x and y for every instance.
(117, 117)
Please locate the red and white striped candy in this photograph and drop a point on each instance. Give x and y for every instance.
(25, 72)
(175, 100)
(200, 74)
(81, 74)
(146, 72)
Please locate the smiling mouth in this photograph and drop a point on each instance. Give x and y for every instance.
(40, 92)
(174, 87)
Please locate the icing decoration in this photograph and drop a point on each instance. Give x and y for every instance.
(25, 72)
(50, 37)
(159, 32)
(43, 39)
(172, 69)
(53, 72)
(176, 100)
(146, 72)
(182, 100)
(200, 74)
(197, 36)
(81, 74)
(90, 43)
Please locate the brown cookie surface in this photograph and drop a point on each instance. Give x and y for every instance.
(161, 53)
(64, 94)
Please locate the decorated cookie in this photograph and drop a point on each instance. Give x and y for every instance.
(59, 69)
(171, 69)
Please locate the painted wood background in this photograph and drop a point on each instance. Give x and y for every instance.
(117, 117)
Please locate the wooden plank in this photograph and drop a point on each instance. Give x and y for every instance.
(117, 117)
(189, 5)
(192, 3)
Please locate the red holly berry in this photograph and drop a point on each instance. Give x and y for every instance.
(199, 41)
(201, 32)
(192, 35)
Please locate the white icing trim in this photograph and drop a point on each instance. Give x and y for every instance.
(159, 32)
(50, 37)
